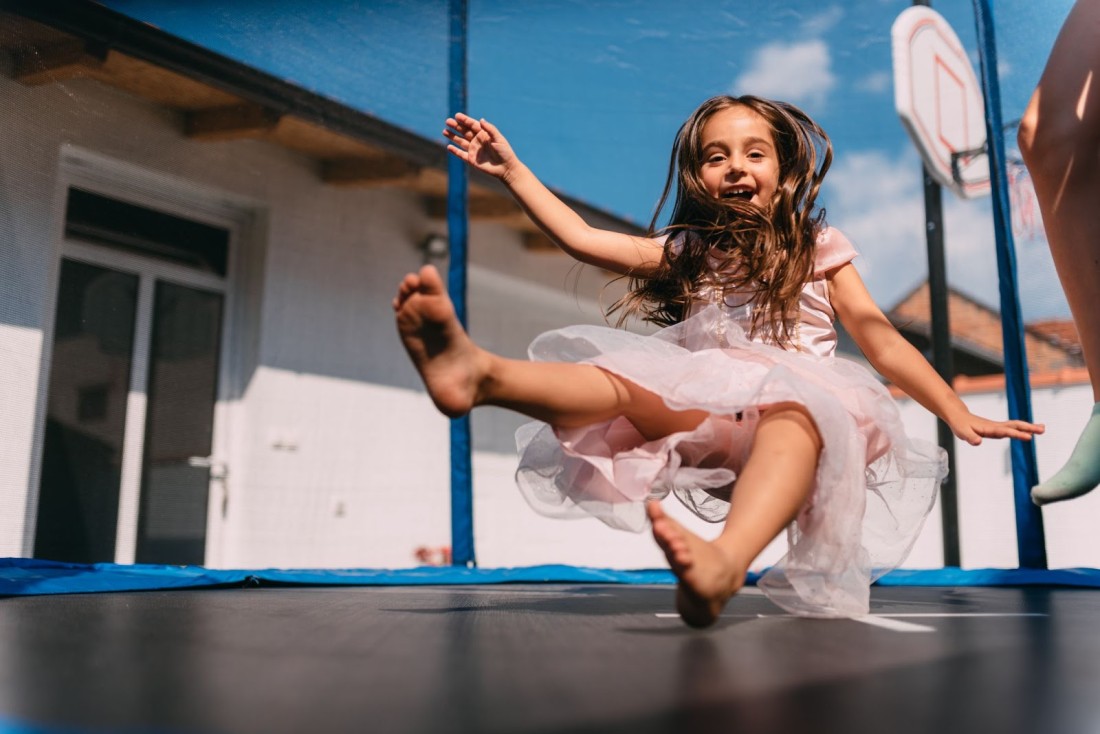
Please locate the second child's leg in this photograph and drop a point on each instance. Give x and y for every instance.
(460, 375)
(1060, 141)
(774, 484)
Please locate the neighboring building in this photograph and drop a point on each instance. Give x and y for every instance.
(976, 339)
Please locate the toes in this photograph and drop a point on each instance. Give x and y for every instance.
(660, 536)
(674, 548)
(430, 281)
(673, 542)
(401, 297)
(681, 556)
(405, 288)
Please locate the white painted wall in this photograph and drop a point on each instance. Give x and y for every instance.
(987, 519)
(1070, 526)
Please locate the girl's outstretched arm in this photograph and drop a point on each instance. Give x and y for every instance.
(483, 147)
(899, 361)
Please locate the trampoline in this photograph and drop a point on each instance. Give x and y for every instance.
(546, 657)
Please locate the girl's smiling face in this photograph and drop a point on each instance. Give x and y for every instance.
(739, 157)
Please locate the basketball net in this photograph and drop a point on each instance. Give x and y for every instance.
(1027, 221)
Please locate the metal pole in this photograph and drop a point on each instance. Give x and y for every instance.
(1030, 536)
(942, 358)
(462, 493)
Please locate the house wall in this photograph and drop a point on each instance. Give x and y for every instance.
(314, 356)
(336, 457)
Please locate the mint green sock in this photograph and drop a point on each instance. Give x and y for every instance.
(1081, 473)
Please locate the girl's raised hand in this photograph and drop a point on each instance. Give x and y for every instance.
(973, 428)
(479, 143)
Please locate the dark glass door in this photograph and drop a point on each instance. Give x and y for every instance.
(86, 414)
(103, 328)
(181, 395)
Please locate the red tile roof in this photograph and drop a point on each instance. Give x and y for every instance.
(1052, 345)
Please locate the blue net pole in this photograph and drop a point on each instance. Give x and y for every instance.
(1030, 538)
(462, 493)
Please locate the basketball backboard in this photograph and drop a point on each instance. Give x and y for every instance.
(939, 100)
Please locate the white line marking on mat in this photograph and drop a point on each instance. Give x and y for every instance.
(962, 614)
(891, 622)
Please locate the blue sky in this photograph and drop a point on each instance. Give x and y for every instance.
(590, 93)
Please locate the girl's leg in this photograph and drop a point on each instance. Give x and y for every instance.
(772, 487)
(459, 375)
(1060, 141)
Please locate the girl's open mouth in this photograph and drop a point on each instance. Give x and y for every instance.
(744, 195)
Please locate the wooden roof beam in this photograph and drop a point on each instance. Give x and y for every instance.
(231, 123)
(386, 170)
(49, 63)
(500, 209)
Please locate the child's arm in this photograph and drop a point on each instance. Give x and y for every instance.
(480, 144)
(899, 361)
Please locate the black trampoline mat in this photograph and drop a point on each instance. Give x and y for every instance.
(548, 658)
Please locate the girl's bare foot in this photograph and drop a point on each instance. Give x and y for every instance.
(450, 364)
(708, 576)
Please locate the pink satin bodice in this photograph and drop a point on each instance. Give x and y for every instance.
(814, 333)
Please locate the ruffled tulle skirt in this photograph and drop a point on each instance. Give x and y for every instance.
(873, 488)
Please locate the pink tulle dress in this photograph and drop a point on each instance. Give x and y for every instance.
(874, 485)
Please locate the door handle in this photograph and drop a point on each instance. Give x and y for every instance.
(218, 469)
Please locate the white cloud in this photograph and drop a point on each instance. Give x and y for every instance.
(878, 201)
(798, 72)
(614, 56)
(875, 82)
(823, 22)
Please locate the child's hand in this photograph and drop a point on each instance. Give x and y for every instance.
(479, 143)
(973, 428)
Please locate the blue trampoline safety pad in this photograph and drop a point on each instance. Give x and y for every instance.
(27, 577)
(24, 576)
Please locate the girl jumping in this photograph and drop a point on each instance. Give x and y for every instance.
(737, 406)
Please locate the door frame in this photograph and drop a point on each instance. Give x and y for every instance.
(240, 217)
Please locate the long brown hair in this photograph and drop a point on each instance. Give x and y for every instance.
(735, 244)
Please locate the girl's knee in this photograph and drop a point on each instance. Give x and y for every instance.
(1025, 133)
(797, 416)
(1052, 136)
(651, 416)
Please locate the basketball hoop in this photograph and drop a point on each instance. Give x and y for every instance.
(939, 101)
(962, 160)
